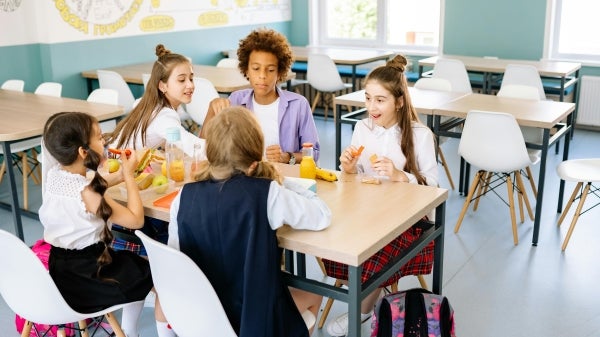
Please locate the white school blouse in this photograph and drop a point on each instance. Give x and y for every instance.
(386, 142)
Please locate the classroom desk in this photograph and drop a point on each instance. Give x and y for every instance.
(225, 80)
(359, 228)
(567, 72)
(545, 115)
(23, 117)
(344, 56)
(423, 100)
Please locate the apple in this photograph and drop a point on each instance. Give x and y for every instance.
(112, 165)
(160, 183)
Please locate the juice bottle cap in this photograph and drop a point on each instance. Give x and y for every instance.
(307, 144)
(173, 134)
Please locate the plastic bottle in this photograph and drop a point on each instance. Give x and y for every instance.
(174, 155)
(308, 167)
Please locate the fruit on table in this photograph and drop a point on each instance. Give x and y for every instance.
(160, 183)
(326, 175)
(112, 165)
(144, 180)
(177, 170)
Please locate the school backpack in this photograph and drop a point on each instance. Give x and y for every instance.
(413, 313)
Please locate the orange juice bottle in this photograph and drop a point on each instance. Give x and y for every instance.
(308, 167)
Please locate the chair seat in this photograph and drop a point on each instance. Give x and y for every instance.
(585, 170)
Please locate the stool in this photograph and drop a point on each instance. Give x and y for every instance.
(582, 171)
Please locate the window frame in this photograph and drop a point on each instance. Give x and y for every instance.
(552, 35)
(317, 21)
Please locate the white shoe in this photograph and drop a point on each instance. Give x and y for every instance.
(339, 326)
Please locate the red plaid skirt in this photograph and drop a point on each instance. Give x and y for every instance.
(421, 264)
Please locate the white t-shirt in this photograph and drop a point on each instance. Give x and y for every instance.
(268, 118)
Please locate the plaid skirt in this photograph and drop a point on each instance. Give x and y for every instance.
(125, 239)
(421, 264)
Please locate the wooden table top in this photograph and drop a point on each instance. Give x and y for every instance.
(365, 217)
(24, 114)
(348, 56)
(225, 80)
(539, 114)
(472, 63)
(424, 101)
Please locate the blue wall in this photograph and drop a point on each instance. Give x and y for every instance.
(507, 29)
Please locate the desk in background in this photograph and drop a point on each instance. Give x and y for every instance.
(544, 115)
(225, 80)
(423, 100)
(23, 117)
(359, 228)
(566, 72)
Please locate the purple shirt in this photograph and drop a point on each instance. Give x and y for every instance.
(296, 123)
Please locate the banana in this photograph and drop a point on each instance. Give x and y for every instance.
(144, 180)
(326, 175)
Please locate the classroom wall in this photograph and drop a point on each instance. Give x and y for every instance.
(507, 29)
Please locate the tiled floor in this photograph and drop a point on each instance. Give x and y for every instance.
(496, 288)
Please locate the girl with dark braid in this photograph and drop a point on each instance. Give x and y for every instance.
(77, 215)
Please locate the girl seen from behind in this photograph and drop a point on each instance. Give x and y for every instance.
(226, 222)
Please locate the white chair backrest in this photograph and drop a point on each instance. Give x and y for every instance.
(493, 142)
(145, 79)
(523, 74)
(104, 95)
(113, 80)
(187, 298)
(431, 83)
(204, 92)
(322, 73)
(228, 63)
(454, 71)
(15, 85)
(519, 91)
(49, 89)
(27, 287)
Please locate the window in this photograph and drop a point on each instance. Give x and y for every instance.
(573, 30)
(412, 26)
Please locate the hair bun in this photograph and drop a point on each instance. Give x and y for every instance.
(399, 62)
(161, 50)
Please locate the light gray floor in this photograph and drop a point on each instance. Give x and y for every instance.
(495, 288)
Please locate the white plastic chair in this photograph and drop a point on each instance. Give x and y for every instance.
(145, 79)
(106, 96)
(187, 298)
(454, 71)
(203, 93)
(113, 80)
(29, 291)
(583, 172)
(323, 75)
(523, 74)
(228, 63)
(49, 89)
(440, 84)
(16, 85)
(530, 134)
(492, 141)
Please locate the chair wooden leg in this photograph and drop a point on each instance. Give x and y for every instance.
(519, 197)
(26, 329)
(36, 173)
(445, 166)
(584, 194)
(321, 265)
(83, 327)
(327, 306)
(315, 101)
(326, 103)
(476, 182)
(114, 324)
(422, 282)
(2, 169)
(484, 182)
(573, 196)
(61, 332)
(531, 181)
(521, 186)
(511, 203)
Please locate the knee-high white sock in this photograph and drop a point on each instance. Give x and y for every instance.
(131, 317)
(164, 330)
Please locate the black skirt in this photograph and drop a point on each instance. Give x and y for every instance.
(126, 279)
